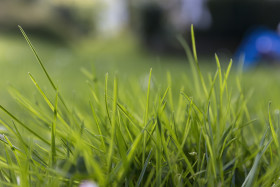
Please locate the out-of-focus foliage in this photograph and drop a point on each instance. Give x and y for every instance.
(60, 19)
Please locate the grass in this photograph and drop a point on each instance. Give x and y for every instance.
(190, 126)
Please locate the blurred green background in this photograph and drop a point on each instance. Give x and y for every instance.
(127, 37)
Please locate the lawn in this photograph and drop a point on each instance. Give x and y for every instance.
(151, 120)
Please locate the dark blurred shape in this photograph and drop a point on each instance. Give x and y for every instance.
(161, 21)
(234, 17)
(227, 22)
(232, 20)
(153, 32)
(152, 16)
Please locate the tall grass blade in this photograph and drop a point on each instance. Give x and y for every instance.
(193, 44)
(113, 123)
(196, 61)
(146, 117)
(249, 180)
(106, 97)
(98, 126)
(140, 179)
(53, 133)
(42, 66)
(37, 57)
(48, 101)
(191, 61)
(25, 126)
(273, 132)
(12, 174)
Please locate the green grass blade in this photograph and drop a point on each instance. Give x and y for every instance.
(12, 147)
(193, 44)
(227, 73)
(106, 97)
(130, 117)
(194, 105)
(148, 98)
(121, 143)
(98, 126)
(113, 127)
(48, 101)
(27, 104)
(249, 180)
(196, 61)
(37, 57)
(273, 132)
(170, 97)
(146, 118)
(191, 61)
(140, 179)
(149, 179)
(41, 92)
(164, 96)
(158, 153)
(12, 174)
(132, 152)
(53, 133)
(25, 126)
(42, 66)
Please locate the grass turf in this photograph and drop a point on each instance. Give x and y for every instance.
(175, 125)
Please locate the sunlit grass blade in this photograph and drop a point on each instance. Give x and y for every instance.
(120, 141)
(25, 126)
(42, 66)
(249, 180)
(274, 136)
(227, 74)
(130, 117)
(132, 150)
(190, 100)
(98, 126)
(106, 96)
(96, 167)
(87, 73)
(193, 44)
(191, 62)
(12, 174)
(53, 134)
(196, 61)
(37, 57)
(28, 105)
(170, 95)
(146, 117)
(94, 95)
(179, 147)
(47, 100)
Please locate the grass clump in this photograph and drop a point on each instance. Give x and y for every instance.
(143, 135)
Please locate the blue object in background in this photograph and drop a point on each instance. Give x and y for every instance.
(260, 44)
